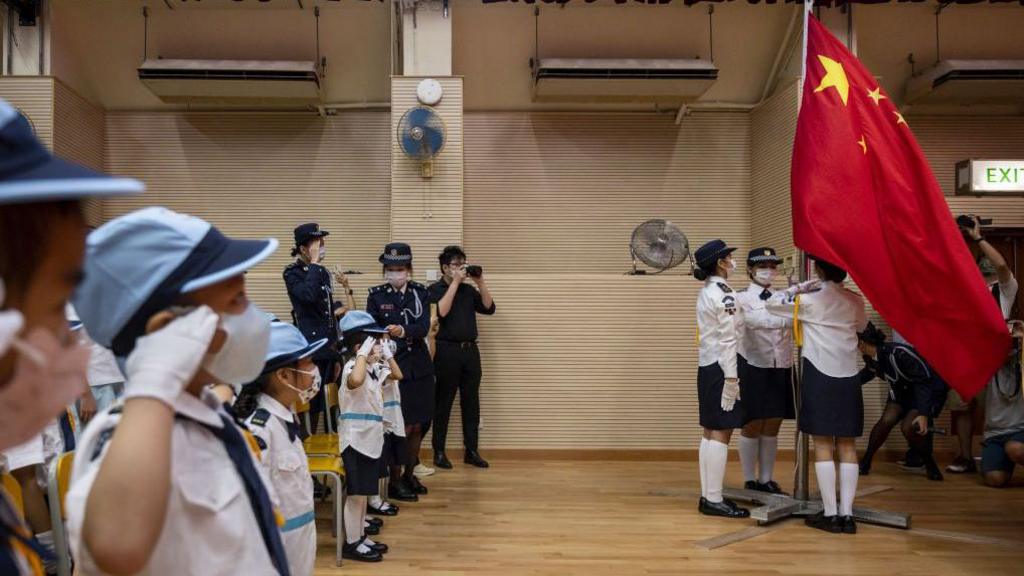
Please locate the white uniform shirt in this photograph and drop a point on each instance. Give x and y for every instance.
(1007, 295)
(284, 461)
(210, 528)
(393, 420)
(767, 340)
(102, 367)
(717, 325)
(362, 414)
(830, 320)
(42, 448)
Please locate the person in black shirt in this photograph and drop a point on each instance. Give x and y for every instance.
(457, 358)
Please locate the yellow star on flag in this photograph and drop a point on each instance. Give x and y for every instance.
(835, 77)
(863, 144)
(899, 118)
(876, 95)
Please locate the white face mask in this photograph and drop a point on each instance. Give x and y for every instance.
(305, 396)
(397, 278)
(240, 359)
(323, 252)
(764, 276)
(732, 265)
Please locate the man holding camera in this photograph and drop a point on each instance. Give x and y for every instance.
(457, 358)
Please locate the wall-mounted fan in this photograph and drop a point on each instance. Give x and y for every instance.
(659, 244)
(421, 134)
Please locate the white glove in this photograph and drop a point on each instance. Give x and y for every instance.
(367, 347)
(386, 352)
(39, 391)
(164, 362)
(803, 288)
(11, 322)
(730, 394)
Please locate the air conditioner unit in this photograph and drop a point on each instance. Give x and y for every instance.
(622, 80)
(232, 81)
(969, 82)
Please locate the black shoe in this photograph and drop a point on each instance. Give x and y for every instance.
(351, 552)
(377, 546)
(865, 467)
(375, 522)
(402, 491)
(474, 459)
(391, 509)
(701, 503)
(371, 529)
(321, 491)
(726, 508)
(441, 461)
(933, 472)
(751, 485)
(415, 485)
(770, 487)
(848, 524)
(831, 524)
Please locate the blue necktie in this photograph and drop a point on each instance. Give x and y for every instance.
(238, 451)
(765, 294)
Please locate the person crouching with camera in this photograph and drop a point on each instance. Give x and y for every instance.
(457, 358)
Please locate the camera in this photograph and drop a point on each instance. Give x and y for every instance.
(474, 271)
(967, 221)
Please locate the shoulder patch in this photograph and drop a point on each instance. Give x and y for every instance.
(260, 417)
(725, 287)
(260, 442)
(729, 303)
(101, 442)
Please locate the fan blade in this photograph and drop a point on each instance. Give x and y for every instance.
(419, 116)
(433, 138)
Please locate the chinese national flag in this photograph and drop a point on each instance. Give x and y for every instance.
(865, 198)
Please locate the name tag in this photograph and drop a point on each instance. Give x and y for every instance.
(387, 307)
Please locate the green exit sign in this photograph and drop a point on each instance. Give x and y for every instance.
(990, 177)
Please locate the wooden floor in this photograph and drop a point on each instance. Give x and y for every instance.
(596, 518)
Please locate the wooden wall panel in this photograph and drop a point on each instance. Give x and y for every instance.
(33, 95)
(80, 135)
(259, 175)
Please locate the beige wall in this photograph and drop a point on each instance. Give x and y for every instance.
(33, 95)
(80, 135)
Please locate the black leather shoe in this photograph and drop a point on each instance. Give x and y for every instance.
(375, 522)
(391, 510)
(751, 485)
(726, 508)
(933, 472)
(381, 548)
(770, 487)
(865, 467)
(833, 524)
(700, 504)
(474, 459)
(849, 525)
(351, 552)
(402, 491)
(371, 529)
(441, 461)
(416, 486)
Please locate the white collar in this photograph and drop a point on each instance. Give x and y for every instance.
(755, 287)
(204, 409)
(717, 278)
(275, 407)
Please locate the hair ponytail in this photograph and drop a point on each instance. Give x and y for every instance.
(700, 274)
(249, 396)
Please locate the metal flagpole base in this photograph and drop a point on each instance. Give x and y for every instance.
(775, 507)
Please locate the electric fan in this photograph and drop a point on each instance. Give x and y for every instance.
(659, 244)
(421, 134)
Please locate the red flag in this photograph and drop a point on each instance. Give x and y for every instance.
(865, 198)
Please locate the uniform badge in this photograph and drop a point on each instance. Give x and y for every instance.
(260, 417)
(260, 442)
(725, 287)
(767, 252)
(387, 307)
(394, 252)
(729, 303)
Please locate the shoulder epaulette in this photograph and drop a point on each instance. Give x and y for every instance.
(260, 417)
(725, 287)
(376, 289)
(416, 284)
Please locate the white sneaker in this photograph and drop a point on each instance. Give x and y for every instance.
(421, 471)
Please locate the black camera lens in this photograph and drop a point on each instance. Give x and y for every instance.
(474, 271)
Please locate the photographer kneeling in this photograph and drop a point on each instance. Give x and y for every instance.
(457, 358)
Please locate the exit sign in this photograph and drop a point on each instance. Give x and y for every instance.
(990, 177)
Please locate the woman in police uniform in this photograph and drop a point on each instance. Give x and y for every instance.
(718, 387)
(403, 307)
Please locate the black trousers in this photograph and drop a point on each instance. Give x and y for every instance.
(316, 405)
(457, 369)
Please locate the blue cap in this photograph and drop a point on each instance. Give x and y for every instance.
(708, 255)
(359, 321)
(30, 173)
(141, 263)
(288, 345)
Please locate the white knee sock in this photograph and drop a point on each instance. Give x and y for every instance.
(355, 507)
(769, 447)
(749, 447)
(848, 474)
(718, 456)
(826, 472)
(702, 461)
(376, 501)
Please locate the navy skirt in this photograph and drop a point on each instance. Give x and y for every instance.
(830, 406)
(766, 392)
(417, 400)
(710, 381)
(362, 473)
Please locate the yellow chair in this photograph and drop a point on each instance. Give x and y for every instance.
(13, 490)
(330, 467)
(332, 401)
(322, 445)
(57, 488)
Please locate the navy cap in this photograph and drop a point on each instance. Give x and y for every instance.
(140, 264)
(396, 254)
(30, 173)
(306, 232)
(762, 255)
(708, 255)
(359, 321)
(287, 346)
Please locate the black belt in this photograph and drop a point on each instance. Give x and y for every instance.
(460, 344)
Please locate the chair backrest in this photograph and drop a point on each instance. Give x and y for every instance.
(13, 490)
(60, 476)
(301, 407)
(332, 394)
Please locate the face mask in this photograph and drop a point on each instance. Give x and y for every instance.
(323, 252)
(305, 396)
(397, 278)
(764, 276)
(732, 265)
(240, 360)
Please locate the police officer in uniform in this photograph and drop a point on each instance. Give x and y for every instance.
(314, 309)
(403, 307)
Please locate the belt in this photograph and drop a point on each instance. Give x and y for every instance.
(465, 344)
